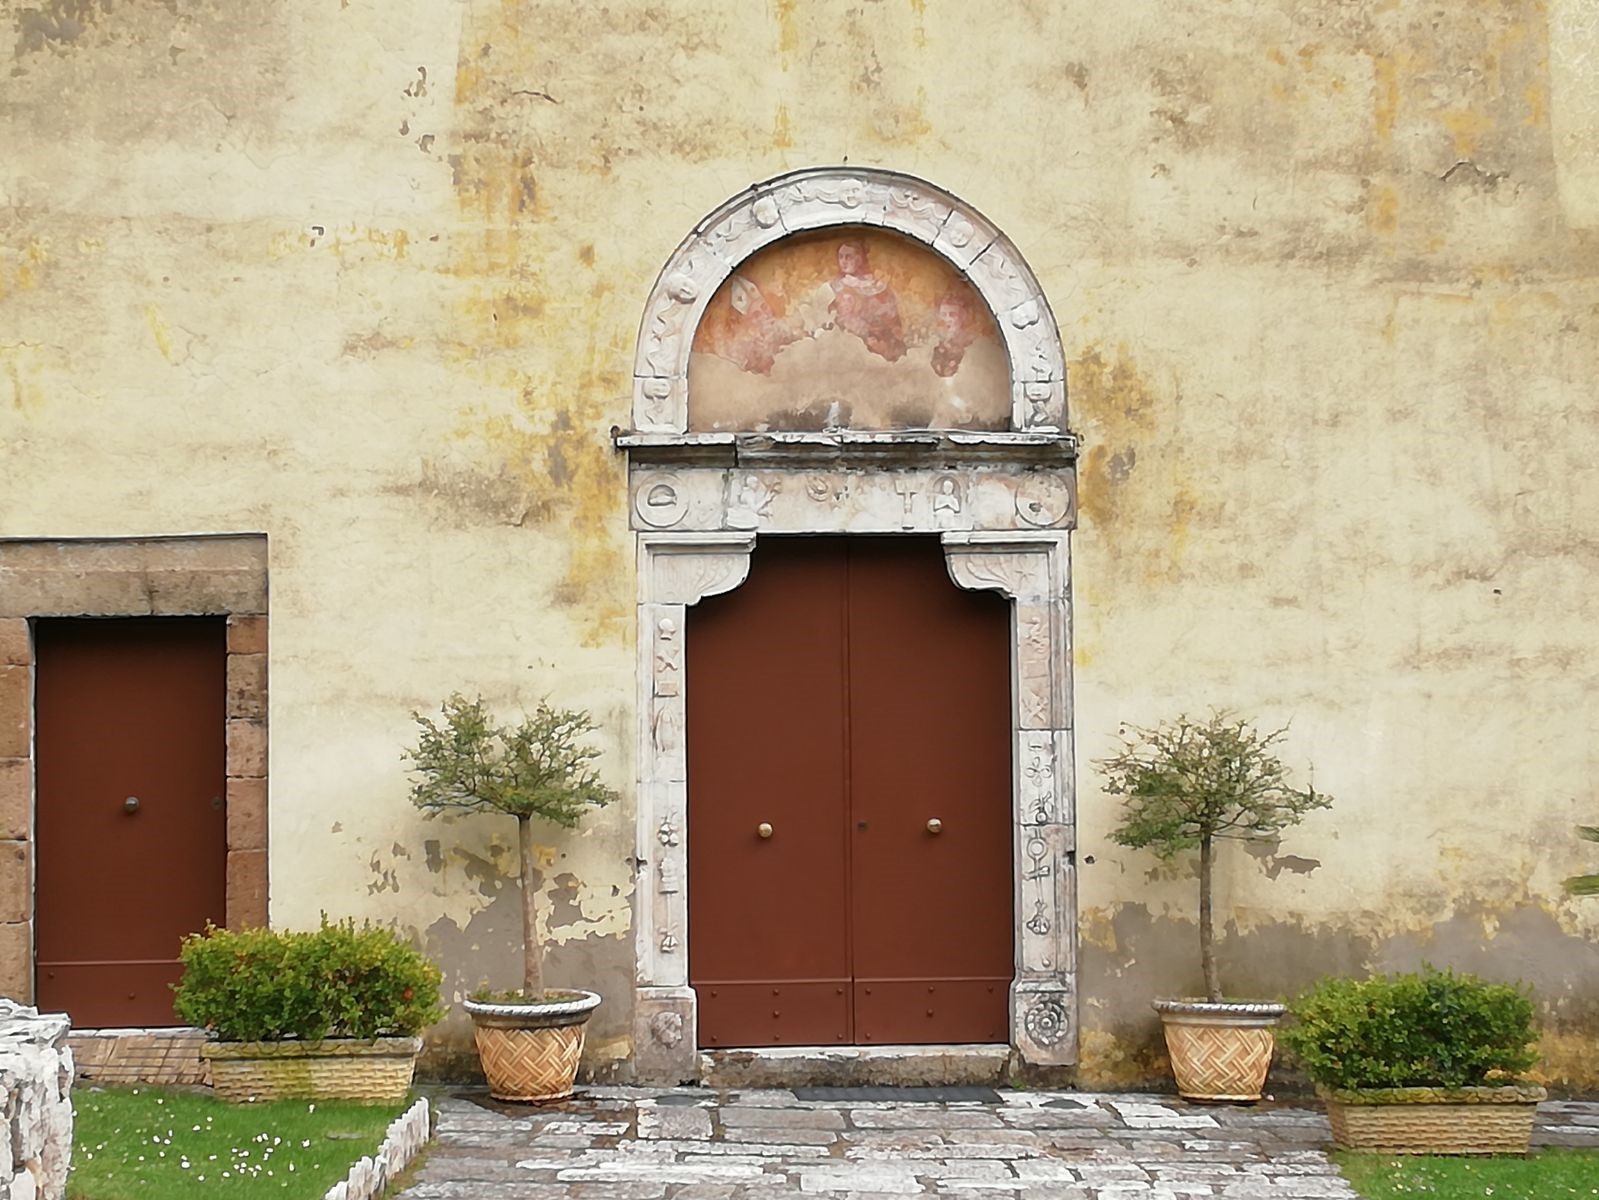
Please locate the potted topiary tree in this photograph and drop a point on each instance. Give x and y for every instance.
(1420, 1064)
(1188, 785)
(529, 1041)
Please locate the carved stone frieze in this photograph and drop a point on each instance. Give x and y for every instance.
(668, 656)
(1044, 500)
(1044, 1025)
(658, 500)
(824, 499)
(962, 237)
(735, 235)
(1047, 891)
(1039, 779)
(1021, 570)
(686, 570)
(664, 1034)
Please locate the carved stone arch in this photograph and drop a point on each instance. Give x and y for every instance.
(834, 196)
(1003, 503)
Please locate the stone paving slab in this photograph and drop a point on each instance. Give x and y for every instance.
(698, 1144)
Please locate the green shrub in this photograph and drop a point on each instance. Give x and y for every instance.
(255, 985)
(1433, 1029)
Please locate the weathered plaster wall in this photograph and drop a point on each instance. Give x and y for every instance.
(366, 277)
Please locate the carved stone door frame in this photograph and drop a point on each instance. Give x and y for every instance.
(1002, 503)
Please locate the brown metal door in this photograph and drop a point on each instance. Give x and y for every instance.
(845, 696)
(130, 739)
(769, 916)
(930, 767)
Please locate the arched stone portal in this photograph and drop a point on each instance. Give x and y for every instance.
(1001, 499)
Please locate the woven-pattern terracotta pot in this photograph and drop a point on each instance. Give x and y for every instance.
(1219, 1050)
(371, 1071)
(1479, 1120)
(530, 1051)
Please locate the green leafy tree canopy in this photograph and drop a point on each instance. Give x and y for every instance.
(1186, 784)
(538, 767)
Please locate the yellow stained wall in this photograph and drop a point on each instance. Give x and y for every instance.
(366, 276)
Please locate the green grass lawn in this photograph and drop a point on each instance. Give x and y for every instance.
(1546, 1175)
(157, 1144)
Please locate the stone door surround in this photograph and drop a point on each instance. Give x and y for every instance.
(134, 577)
(1002, 503)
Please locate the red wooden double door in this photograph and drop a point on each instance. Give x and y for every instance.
(849, 761)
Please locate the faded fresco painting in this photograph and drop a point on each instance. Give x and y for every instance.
(857, 328)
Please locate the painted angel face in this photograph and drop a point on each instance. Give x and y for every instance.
(744, 296)
(852, 259)
(954, 314)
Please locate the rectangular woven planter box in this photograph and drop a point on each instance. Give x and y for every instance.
(378, 1070)
(1480, 1120)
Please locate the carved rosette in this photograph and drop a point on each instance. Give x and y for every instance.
(1045, 1023)
(823, 197)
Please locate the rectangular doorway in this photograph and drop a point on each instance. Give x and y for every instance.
(131, 821)
(849, 800)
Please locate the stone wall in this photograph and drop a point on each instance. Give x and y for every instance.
(368, 278)
(36, 1097)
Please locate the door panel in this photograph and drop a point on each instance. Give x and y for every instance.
(764, 668)
(929, 686)
(847, 694)
(126, 708)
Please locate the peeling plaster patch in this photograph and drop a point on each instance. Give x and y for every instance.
(1274, 864)
(487, 952)
(563, 898)
(1467, 172)
(435, 856)
(488, 873)
(385, 877)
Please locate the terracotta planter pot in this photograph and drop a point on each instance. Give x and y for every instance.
(530, 1051)
(1477, 1120)
(1219, 1050)
(377, 1070)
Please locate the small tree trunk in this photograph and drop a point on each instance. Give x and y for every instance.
(532, 948)
(1207, 930)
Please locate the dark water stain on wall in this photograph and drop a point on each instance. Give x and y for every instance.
(487, 953)
(183, 70)
(1130, 957)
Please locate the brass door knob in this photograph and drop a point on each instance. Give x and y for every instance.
(934, 825)
(763, 830)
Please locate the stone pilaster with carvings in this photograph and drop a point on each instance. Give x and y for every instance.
(1033, 570)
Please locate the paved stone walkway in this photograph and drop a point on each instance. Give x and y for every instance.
(689, 1144)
